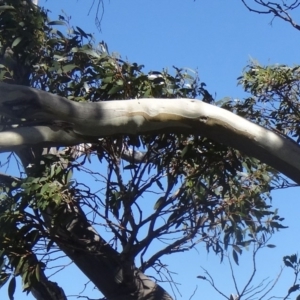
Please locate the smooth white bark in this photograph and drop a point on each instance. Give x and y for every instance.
(64, 122)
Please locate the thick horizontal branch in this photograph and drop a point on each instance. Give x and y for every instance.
(14, 138)
(72, 123)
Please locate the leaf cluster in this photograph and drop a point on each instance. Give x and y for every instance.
(275, 97)
(200, 191)
(25, 238)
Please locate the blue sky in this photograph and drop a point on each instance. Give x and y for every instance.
(218, 38)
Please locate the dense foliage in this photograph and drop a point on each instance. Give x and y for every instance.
(183, 190)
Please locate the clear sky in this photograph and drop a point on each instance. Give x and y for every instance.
(218, 38)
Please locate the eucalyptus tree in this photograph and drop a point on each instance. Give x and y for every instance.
(208, 167)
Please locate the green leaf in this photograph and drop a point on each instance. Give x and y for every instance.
(57, 23)
(159, 202)
(58, 170)
(115, 89)
(237, 249)
(173, 217)
(6, 7)
(16, 42)
(159, 185)
(277, 225)
(90, 52)
(186, 150)
(147, 93)
(246, 243)
(178, 223)
(294, 288)
(81, 32)
(25, 280)
(50, 243)
(75, 49)
(130, 167)
(287, 262)
(44, 188)
(69, 67)
(52, 171)
(69, 176)
(107, 79)
(56, 198)
(3, 278)
(35, 186)
(12, 288)
(60, 34)
(235, 257)
(293, 258)
(120, 82)
(38, 272)
(20, 265)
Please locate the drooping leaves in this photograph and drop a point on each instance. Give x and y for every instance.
(199, 190)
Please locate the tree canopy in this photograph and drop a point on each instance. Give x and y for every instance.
(208, 166)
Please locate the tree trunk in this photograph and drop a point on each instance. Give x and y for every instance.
(112, 273)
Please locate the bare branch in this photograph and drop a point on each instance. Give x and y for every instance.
(280, 11)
